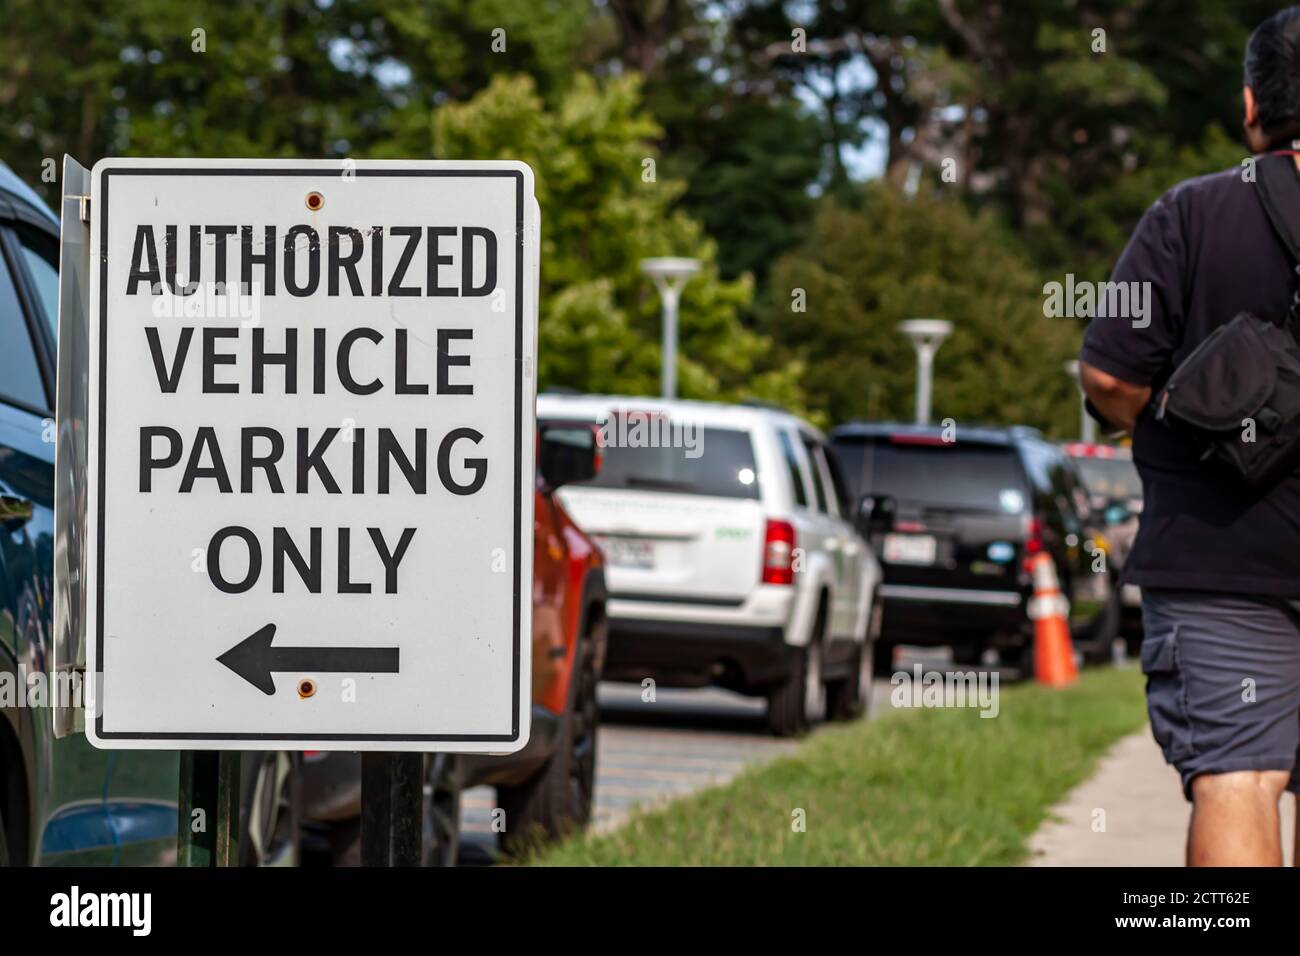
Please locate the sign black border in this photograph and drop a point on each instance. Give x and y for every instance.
(104, 177)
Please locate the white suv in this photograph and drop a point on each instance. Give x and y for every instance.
(731, 553)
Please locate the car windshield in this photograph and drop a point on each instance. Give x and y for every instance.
(957, 475)
(677, 457)
(1113, 479)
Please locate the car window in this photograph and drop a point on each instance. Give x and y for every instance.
(1062, 494)
(719, 462)
(796, 470)
(20, 376)
(819, 482)
(1078, 494)
(40, 255)
(960, 475)
(1038, 461)
(1110, 479)
(842, 495)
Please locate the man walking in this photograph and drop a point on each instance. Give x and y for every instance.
(1218, 563)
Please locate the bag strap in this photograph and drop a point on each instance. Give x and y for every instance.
(1278, 186)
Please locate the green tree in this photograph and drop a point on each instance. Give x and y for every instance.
(262, 78)
(749, 160)
(431, 52)
(886, 258)
(604, 208)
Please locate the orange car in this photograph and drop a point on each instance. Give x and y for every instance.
(547, 789)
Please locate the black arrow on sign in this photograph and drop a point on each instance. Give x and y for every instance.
(254, 659)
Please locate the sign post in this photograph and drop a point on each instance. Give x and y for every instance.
(392, 805)
(310, 467)
(208, 809)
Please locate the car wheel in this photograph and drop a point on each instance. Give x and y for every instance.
(270, 818)
(442, 791)
(851, 698)
(586, 726)
(558, 800)
(800, 699)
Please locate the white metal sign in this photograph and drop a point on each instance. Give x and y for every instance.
(310, 453)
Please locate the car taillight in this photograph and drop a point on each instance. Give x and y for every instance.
(1033, 541)
(778, 553)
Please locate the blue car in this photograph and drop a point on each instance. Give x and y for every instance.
(61, 800)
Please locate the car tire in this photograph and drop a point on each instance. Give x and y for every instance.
(558, 800)
(270, 809)
(442, 798)
(792, 707)
(850, 698)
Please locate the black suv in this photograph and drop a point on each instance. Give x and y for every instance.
(955, 519)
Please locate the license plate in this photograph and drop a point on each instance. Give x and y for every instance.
(910, 548)
(628, 552)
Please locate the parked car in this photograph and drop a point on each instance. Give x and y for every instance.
(547, 789)
(733, 559)
(61, 800)
(1113, 483)
(966, 513)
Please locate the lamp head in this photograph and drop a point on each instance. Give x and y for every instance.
(669, 268)
(926, 332)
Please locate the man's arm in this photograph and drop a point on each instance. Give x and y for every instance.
(1121, 402)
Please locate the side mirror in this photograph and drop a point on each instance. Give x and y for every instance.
(566, 454)
(875, 514)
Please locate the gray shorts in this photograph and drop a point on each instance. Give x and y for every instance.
(1223, 681)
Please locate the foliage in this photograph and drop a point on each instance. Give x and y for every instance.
(602, 214)
(911, 788)
(135, 78)
(1047, 125)
(887, 258)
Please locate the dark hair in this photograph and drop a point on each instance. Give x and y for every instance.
(1273, 73)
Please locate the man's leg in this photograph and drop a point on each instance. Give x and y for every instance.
(1223, 695)
(1235, 819)
(1295, 853)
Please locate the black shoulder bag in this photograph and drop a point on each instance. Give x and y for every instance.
(1239, 390)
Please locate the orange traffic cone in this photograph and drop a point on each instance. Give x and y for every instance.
(1053, 652)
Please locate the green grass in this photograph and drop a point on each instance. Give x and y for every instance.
(913, 788)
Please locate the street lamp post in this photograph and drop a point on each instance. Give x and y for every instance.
(926, 336)
(669, 274)
(1087, 427)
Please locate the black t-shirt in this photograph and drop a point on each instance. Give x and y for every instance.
(1209, 252)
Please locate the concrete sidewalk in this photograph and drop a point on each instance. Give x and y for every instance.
(1131, 812)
